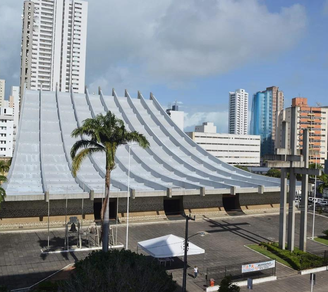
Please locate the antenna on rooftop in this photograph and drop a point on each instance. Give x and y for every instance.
(318, 104)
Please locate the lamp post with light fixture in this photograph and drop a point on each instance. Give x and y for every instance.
(128, 203)
(128, 198)
(184, 281)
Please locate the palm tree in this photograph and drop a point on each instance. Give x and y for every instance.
(104, 134)
(2, 191)
(324, 183)
(4, 166)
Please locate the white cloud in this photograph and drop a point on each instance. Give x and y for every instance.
(167, 42)
(172, 42)
(198, 114)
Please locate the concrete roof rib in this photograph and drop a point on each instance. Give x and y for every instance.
(173, 165)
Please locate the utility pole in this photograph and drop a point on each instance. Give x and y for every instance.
(184, 282)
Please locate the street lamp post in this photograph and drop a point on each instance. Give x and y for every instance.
(314, 199)
(184, 282)
(128, 203)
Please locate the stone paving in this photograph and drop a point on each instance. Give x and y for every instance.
(22, 264)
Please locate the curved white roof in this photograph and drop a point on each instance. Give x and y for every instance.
(173, 165)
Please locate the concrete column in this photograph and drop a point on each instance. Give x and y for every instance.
(293, 131)
(292, 182)
(304, 199)
(283, 209)
(284, 135)
(291, 210)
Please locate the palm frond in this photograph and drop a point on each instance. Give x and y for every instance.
(82, 144)
(4, 166)
(77, 160)
(105, 132)
(137, 137)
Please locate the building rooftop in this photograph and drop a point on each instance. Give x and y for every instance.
(173, 165)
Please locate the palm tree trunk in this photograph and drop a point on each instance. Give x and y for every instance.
(105, 213)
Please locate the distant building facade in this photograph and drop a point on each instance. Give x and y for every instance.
(2, 91)
(176, 115)
(53, 50)
(230, 148)
(206, 128)
(266, 106)
(313, 118)
(14, 104)
(238, 112)
(6, 131)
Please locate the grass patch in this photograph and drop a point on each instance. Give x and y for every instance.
(322, 239)
(268, 253)
(297, 259)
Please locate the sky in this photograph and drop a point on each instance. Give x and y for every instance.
(195, 51)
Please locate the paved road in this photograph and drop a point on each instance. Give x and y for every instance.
(22, 265)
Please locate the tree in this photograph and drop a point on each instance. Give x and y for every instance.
(104, 134)
(273, 172)
(118, 270)
(2, 191)
(324, 182)
(227, 286)
(4, 166)
(242, 167)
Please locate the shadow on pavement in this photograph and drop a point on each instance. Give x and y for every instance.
(235, 229)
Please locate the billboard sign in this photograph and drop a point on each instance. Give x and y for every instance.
(258, 266)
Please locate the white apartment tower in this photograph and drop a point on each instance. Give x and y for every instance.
(2, 91)
(238, 112)
(6, 131)
(53, 48)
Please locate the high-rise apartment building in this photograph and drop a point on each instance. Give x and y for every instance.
(6, 131)
(313, 118)
(238, 112)
(2, 91)
(53, 48)
(266, 106)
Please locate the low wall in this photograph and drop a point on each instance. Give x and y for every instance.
(209, 201)
(209, 205)
(259, 199)
(40, 208)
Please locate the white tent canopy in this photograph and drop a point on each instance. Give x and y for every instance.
(168, 246)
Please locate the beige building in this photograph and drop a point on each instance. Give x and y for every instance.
(277, 106)
(230, 148)
(13, 103)
(313, 118)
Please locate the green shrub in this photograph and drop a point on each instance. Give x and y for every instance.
(46, 286)
(325, 232)
(118, 271)
(298, 259)
(227, 286)
(4, 289)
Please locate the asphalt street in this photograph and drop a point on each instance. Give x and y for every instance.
(22, 264)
